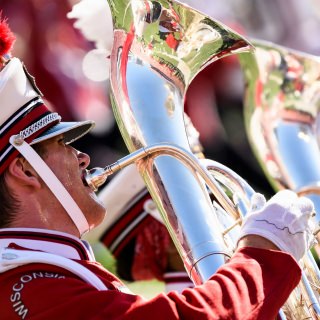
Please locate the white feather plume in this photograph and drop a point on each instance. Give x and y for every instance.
(94, 20)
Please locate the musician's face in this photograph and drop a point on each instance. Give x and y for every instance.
(68, 164)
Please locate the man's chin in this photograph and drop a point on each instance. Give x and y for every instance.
(99, 215)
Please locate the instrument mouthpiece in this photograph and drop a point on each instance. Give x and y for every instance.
(95, 178)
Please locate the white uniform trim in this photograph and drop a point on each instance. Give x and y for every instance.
(54, 185)
(12, 258)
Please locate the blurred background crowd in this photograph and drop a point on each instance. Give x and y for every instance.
(60, 57)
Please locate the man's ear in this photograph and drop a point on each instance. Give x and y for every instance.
(23, 172)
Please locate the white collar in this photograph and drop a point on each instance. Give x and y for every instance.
(55, 242)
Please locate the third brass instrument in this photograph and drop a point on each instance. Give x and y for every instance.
(282, 122)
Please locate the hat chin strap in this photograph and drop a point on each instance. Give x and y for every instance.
(52, 182)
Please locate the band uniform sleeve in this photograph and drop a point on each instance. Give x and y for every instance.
(254, 284)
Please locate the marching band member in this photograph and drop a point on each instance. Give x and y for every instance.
(47, 272)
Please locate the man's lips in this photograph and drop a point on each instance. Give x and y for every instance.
(83, 178)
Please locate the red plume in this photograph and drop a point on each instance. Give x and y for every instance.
(7, 37)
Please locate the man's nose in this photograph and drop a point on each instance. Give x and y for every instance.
(84, 159)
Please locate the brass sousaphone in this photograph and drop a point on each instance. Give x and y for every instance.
(159, 47)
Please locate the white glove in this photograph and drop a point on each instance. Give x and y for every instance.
(285, 220)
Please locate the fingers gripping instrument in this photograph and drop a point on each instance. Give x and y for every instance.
(285, 220)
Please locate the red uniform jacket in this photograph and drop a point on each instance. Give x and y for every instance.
(252, 285)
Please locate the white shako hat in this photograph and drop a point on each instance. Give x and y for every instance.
(25, 120)
(24, 113)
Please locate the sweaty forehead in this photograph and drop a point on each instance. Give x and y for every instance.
(52, 140)
(43, 147)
